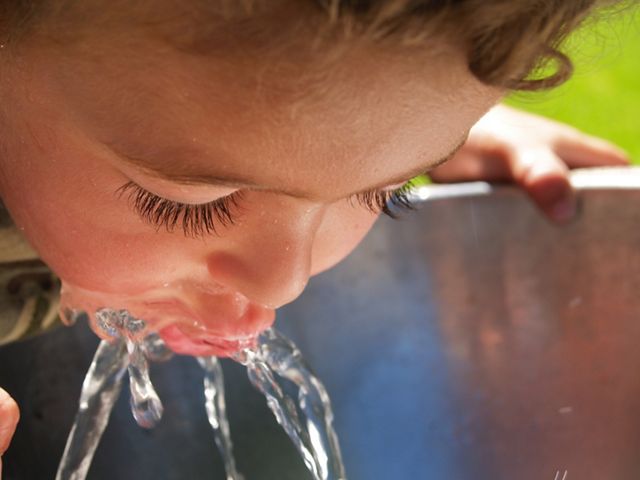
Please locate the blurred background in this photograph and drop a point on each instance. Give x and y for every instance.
(603, 96)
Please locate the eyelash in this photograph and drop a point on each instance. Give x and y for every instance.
(196, 219)
(204, 219)
(389, 202)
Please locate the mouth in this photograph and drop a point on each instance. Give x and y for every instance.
(190, 322)
(202, 344)
(222, 337)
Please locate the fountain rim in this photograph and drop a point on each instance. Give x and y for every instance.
(582, 179)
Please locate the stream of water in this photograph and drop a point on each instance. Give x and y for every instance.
(216, 408)
(274, 365)
(305, 414)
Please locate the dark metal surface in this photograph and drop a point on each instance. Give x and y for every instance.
(472, 340)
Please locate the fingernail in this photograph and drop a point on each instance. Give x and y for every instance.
(564, 210)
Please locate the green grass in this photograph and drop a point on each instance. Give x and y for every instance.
(603, 96)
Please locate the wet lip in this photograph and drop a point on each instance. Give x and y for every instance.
(203, 345)
(227, 336)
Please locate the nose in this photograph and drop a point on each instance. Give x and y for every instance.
(267, 257)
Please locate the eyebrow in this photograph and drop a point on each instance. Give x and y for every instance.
(191, 179)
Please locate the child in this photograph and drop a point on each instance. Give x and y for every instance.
(180, 158)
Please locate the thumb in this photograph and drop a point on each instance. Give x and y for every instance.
(545, 177)
(9, 415)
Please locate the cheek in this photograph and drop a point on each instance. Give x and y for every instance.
(65, 202)
(342, 229)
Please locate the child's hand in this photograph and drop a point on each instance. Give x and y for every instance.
(8, 420)
(534, 152)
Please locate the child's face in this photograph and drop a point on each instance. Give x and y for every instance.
(81, 120)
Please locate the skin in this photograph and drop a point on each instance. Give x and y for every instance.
(9, 416)
(303, 133)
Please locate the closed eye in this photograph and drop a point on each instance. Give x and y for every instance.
(197, 220)
(387, 202)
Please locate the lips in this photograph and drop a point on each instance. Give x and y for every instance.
(225, 337)
(202, 345)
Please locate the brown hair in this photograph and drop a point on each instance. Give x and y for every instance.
(509, 43)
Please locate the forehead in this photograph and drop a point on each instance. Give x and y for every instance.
(279, 116)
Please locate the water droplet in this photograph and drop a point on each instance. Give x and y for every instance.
(155, 349)
(133, 325)
(109, 321)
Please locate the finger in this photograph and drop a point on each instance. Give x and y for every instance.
(546, 179)
(581, 150)
(9, 415)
